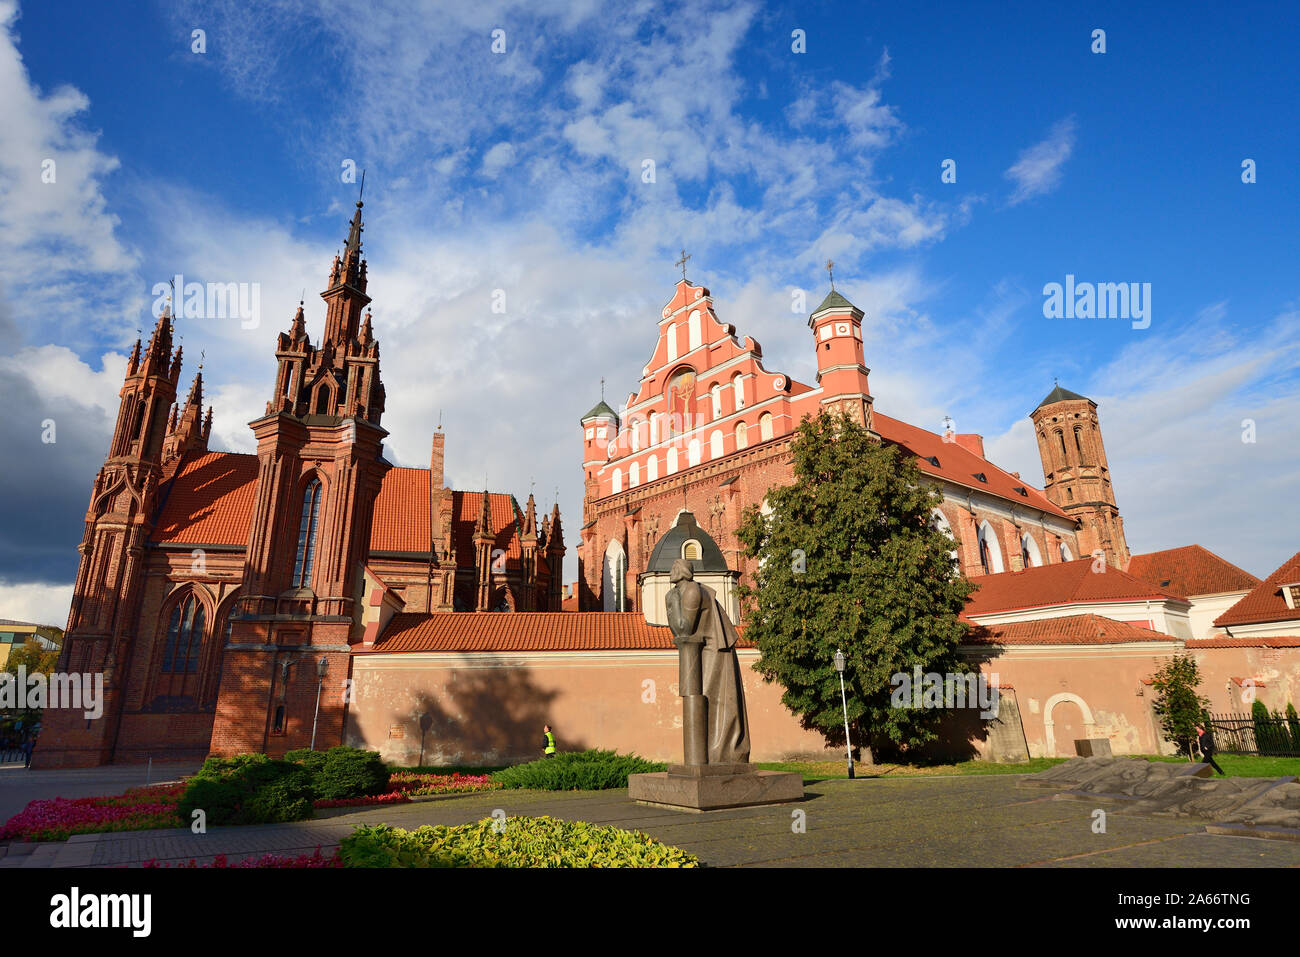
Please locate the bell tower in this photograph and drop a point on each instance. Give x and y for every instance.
(320, 465)
(1076, 474)
(837, 336)
(104, 617)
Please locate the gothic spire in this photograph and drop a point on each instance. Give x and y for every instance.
(529, 533)
(483, 529)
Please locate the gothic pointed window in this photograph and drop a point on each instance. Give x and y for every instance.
(307, 528)
(184, 638)
(1078, 442)
(1060, 438)
(323, 401)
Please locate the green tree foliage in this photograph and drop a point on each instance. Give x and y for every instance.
(1177, 704)
(849, 558)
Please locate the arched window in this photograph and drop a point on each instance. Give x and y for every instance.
(693, 452)
(633, 475)
(616, 483)
(635, 428)
(1069, 494)
(742, 435)
(672, 459)
(614, 576)
(672, 341)
(184, 638)
(940, 522)
(307, 528)
(138, 428)
(693, 330)
(765, 426)
(716, 395)
(652, 468)
(691, 551)
(715, 444)
(323, 400)
(1060, 438)
(1065, 553)
(990, 551)
(1029, 551)
(738, 386)
(1078, 442)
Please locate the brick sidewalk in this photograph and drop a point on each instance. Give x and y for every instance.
(977, 821)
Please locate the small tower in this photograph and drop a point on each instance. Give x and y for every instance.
(599, 428)
(837, 336)
(528, 560)
(1076, 475)
(484, 536)
(190, 430)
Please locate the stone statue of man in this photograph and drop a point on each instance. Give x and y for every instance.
(695, 612)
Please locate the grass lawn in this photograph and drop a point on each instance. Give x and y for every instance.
(1244, 765)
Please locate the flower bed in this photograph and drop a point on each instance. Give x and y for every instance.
(392, 797)
(407, 782)
(139, 809)
(266, 860)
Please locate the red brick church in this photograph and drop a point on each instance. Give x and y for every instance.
(217, 591)
(314, 593)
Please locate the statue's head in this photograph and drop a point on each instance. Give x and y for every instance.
(681, 571)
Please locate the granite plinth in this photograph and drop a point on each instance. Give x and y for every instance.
(712, 787)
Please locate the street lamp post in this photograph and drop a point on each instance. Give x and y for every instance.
(848, 744)
(321, 667)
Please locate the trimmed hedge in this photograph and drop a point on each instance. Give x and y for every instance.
(248, 789)
(593, 770)
(514, 842)
(341, 772)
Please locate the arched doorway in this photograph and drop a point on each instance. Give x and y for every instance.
(1066, 719)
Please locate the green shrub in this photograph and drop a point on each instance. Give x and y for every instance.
(593, 770)
(248, 789)
(514, 842)
(313, 761)
(351, 772)
(343, 772)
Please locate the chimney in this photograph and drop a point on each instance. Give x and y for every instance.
(971, 443)
(436, 491)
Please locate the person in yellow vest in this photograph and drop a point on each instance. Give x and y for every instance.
(549, 742)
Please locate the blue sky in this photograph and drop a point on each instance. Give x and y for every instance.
(522, 172)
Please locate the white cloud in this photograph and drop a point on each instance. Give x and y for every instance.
(35, 602)
(1038, 169)
(63, 261)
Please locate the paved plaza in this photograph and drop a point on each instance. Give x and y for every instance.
(956, 821)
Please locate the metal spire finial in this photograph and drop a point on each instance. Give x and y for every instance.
(830, 269)
(682, 262)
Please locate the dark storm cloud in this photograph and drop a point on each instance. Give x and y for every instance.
(45, 486)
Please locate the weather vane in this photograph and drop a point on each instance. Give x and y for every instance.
(830, 269)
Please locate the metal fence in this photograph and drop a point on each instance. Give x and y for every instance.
(1243, 734)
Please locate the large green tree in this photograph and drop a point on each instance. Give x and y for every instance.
(849, 558)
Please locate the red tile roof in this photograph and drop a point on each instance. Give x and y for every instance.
(400, 521)
(506, 521)
(960, 465)
(523, 631)
(1060, 584)
(1254, 641)
(1071, 630)
(209, 501)
(1191, 570)
(1265, 601)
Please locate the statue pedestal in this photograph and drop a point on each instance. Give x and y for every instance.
(710, 787)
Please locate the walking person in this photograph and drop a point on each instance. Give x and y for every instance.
(548, 740)
(28, 746)
(1205, 740)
